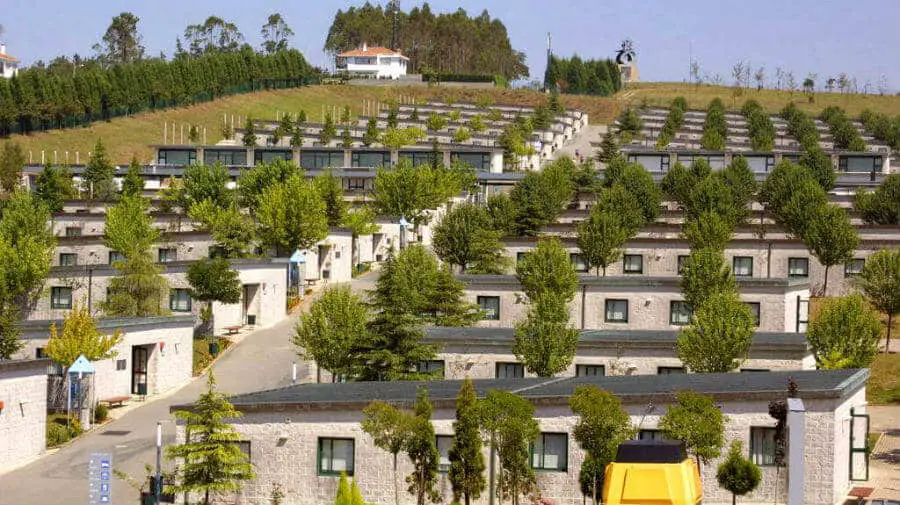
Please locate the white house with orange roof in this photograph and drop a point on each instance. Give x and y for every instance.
(9, 66)
(374, 62)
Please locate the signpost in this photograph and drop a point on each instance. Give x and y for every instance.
(99, 478)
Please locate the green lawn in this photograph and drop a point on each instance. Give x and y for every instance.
(884, 384)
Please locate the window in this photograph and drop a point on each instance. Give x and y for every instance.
(491, 307)
(550, 452)
(73, 231)
(669, 370)
(651, 435)
(510, 371)
(121, 364)
(754, 370)
(417, 157)
(679, 313)
(520, 256)
(854, 267)
(61, 298)
(115, 256)
(244, 446)
(167, 255)
(802, 315)
(443, 443)
(682, 258)
(798, 267)
(590, 370)
(762, 446)
(355, 184)
(431, 366)
(40, 353)
(68, 259)
(634, 264)
(754, 309)
(616, 311)
(370, 159)
(742, 266)
(578, 262)
(335, 456)
(321, 159)
(478, 161)
(179, 300)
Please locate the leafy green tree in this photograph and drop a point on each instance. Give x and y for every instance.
(508, 421)
(845, 333)
(371, 135)
(12, 161)
(329, 187)
(881, 206)
(253, 182)
(602, 425)
(782, 183)
(213, 280)
(540, 197)
(329, 131)
(79, 336)
(421, 448)
(436, 122)
(704, 274)
(249, 138)
(741, 180)
(476, 124)
(139, 289)
(205, 182)
(122, 42)
(708, 231)
(346, 138)
(819, 163)
(804, 207)
(54, 186)
(601, 238)
(548, 272)
(880, 283)
(465, 236)
(392, 121)
(712, 195)
(831, 238)
(447, 302)
(640, 184)
(211, 460)
(98, 174)
(233, 231)
(334, 325)
(719, 337)
(466, 460)
(396, 138)
(275, 33)
(133, 183)
(609, 148)
(696, 421)
(737, 474)
(26, 246)
(292, 216)
(503, 212)
(461, 135)
(360, 222)
(389, 428)
(544, 343)
(409, 192)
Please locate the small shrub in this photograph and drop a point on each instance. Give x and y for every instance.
(101, 413)
(56, 435)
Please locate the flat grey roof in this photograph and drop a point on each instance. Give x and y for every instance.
(38, 365)
(504, 336)
(631, 389)
(115, 322)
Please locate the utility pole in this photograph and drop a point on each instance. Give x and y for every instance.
(395, 4)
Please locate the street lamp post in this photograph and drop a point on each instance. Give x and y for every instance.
(157, 488)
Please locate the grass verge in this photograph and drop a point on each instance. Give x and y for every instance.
(202, 357)
(884, 384)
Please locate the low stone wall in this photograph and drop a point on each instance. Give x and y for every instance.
(23, 418)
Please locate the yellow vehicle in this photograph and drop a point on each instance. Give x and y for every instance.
(652, 472)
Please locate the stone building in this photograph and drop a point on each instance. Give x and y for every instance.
(640, 302)
(303, 436)
(23, 410)
(155, 355)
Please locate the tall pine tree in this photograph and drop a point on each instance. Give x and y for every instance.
(466, 459)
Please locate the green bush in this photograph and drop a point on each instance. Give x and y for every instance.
(101, 413)
(57, 435)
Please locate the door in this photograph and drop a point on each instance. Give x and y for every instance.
(139, 358)
(859, 450)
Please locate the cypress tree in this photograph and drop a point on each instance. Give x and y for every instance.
(466, 460)
(98, 175)
(133, 184)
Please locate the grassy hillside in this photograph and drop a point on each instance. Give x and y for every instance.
(659, 93)
(131, 136)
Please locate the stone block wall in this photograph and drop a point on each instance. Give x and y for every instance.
(23, 420)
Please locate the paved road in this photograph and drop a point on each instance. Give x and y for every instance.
(261, 361)
(582, 142)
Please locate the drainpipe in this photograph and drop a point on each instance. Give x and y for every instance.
(90, 288)
(491, 474)
(583, 304)
(769, 260)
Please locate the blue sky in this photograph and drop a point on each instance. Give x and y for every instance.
(860, 37)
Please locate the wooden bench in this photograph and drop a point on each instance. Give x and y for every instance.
(231, 330)
(116, 401)
(860, 493)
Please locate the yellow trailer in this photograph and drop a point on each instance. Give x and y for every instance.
(652, 472)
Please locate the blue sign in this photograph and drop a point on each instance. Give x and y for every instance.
(99, 473)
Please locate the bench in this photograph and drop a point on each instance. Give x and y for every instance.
(116, 401)
(231, 330)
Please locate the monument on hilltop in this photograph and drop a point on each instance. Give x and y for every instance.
(626, 58)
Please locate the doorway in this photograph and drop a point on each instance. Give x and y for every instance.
(250, 305)
(139, 359)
